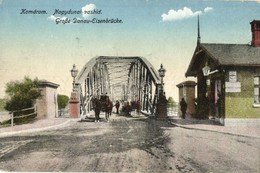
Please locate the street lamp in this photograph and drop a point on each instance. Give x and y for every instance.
(206, 70)
(74, 73)
(161, 106)
(162, 74)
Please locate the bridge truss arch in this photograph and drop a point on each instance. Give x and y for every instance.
(120, 78)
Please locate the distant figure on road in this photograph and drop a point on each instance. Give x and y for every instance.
(117, 106)
(127, 108)
(183, 105)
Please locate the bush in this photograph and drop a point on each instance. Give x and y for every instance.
(171, 103)
(62, 101)
(22, 94)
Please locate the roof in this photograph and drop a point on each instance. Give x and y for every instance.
(227, 55)
(234, 54)
(186, 83)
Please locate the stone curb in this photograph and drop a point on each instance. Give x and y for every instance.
(5, 134)
(210, 130)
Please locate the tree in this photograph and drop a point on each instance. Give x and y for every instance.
(2, 104)
(62, 101)
(171, 102)
(22, 94)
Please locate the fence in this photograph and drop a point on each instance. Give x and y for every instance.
(173, 111)
(23, 114)
(63, 112)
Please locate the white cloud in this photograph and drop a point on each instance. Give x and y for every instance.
(208, 9)
(182, 14)
(1, 1)
(87, 8)
(52, 18)
(179, 14)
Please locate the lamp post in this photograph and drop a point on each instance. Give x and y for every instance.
(74, 73)
(74, 103)
(207, 72)
(161, 107)
(162, 74)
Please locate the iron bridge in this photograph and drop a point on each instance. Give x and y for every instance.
(120, 78)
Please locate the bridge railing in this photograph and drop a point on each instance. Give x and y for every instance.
(63, 112)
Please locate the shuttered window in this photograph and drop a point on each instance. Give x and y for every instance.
(257, 89)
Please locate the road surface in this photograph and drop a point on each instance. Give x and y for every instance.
(127, 144)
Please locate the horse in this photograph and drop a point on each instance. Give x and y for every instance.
(97, 107)
(108, 108)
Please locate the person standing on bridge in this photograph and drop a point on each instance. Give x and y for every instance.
(183, 105)
(117, 106)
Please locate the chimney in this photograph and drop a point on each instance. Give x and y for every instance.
(255, 28)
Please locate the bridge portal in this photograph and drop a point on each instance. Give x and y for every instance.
(120, 78)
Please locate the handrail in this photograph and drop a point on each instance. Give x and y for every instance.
(22, 116)
(24, 109)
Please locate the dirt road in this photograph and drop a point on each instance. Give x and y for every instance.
(121, 145)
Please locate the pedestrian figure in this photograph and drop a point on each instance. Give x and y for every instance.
(117, 106)
(183, 105)
(97, 108)
(127, 108)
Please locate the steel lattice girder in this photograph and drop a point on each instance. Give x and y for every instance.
(117, 73)
(119, 77)
(114, 61)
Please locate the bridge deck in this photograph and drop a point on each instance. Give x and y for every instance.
(91, 116)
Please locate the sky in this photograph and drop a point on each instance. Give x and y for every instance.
(43, 45)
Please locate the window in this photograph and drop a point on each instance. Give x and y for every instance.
(257, 89)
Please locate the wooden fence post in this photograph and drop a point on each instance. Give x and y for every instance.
(12, 119)
(35, 109)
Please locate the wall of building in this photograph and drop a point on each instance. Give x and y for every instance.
(187, 91)
(181, 95)
(240, 104)
(41, 104)
(190, 98)
(47, 105)
(52, 110)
